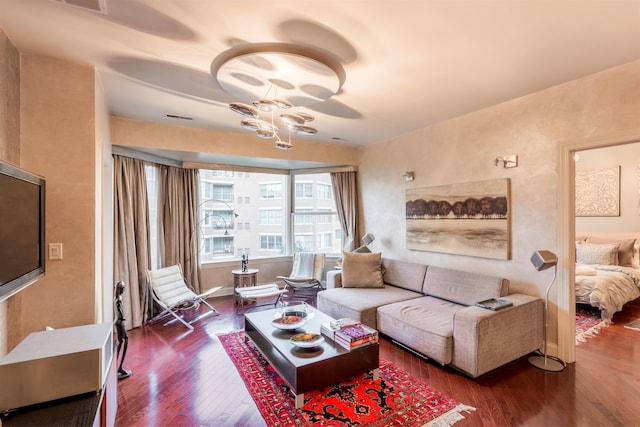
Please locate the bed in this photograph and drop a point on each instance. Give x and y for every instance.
(607, 271)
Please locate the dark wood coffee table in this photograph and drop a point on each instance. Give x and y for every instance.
(302, 369)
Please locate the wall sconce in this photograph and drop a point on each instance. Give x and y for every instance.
(408, 176)
(508, 162)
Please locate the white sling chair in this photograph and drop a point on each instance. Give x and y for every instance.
(171, 292)
(261, 294)
(306, 273)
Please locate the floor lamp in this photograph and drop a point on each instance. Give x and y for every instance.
(543, 260)
(367, 239)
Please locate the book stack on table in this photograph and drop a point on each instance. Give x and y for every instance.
(350, 334)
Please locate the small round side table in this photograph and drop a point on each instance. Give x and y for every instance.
(242, 279)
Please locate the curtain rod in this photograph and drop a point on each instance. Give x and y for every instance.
(141, 155)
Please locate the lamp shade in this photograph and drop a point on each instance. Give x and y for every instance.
(542, 260)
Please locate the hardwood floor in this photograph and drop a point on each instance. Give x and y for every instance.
(183, 378)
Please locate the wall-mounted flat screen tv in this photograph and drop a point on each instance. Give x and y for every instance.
(22, 240)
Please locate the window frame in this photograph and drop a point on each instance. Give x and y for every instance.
(320, 215)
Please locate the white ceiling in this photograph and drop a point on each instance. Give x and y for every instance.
(407, 63)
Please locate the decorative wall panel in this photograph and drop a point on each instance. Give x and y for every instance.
(598, 192)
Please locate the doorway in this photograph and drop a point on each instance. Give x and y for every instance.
(566, 232)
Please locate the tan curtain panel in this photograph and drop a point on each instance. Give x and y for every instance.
(131, 241)
(344, 186)
(178, 195)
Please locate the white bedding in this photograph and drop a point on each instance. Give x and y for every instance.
(609, 289)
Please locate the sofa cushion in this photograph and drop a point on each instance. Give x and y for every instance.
(424, 324)
(462, 287)
(360, 303)
(361, 270)
(404, 274)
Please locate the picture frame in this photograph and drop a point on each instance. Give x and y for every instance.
(471, 219)
(598, 192)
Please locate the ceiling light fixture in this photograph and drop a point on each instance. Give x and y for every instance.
(269, 79)
(294, 122)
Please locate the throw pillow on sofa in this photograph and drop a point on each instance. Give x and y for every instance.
(362, 270)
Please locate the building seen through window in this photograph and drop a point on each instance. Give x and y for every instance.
(249, 213)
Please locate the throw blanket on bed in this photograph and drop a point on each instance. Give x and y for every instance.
(609, 289)
(583, 270)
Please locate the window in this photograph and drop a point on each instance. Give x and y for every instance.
(223, 245)
(303, 243)
(315, 218)
(151, 173)
(324, 191)
(217, 246)
(223, 173)
(303, 219)
(304, 190)
(223, 192)
(218, 219)
(207, 189)
(270, 216)
(325, 219)
(243, 213)
(271, 190)
(325, 240)
(235, 214)
(271, 242)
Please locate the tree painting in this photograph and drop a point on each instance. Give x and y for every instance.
(466, 219)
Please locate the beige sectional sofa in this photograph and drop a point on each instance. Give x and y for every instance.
(431, 311)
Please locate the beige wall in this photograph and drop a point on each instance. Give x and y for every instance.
(57, 141)
(9, 152)
(463, 150)
(132, 133)
(54, 122)
(10, 105)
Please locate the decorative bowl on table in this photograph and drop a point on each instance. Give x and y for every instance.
(292, 317)
(289, 321)
(307, 340)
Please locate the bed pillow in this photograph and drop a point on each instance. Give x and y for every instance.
(362, 270)
(603, 254)
(625, 249)
(635, 262)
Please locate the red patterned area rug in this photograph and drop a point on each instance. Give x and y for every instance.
(588, 323)
(397, 399)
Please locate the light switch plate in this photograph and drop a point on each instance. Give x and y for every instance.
(55, 250)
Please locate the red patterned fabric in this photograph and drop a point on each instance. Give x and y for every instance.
(396, 399)
(588, 323)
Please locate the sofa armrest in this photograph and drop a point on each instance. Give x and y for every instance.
(334, 279)
(486, 339)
